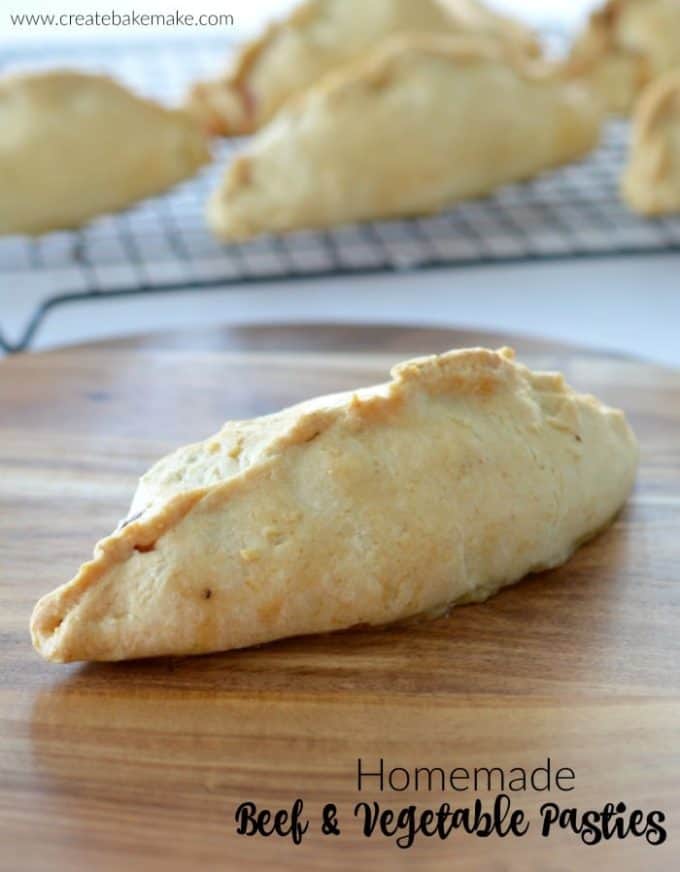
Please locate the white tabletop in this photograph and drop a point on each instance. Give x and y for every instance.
(631, 305)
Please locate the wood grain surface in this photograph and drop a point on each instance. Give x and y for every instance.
(140, 766)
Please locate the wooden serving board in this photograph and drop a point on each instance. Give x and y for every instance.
(141, 766)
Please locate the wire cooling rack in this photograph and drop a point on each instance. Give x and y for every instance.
(162, 244)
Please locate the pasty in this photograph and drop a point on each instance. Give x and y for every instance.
(625, 45)
(461, 475)
(319, 35)
(651, 180)
(420, 124)
(73, 146)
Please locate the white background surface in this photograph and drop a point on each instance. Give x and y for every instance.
(631, 305)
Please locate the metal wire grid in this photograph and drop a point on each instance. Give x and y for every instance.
(163, 245)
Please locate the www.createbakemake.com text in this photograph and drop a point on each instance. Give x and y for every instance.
(131, 18)
(501, 816)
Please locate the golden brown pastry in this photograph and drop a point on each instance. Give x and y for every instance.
(420, 124)
(460, 476)
(319, 35)
(625, 45)
(73, 146)
(651, 180)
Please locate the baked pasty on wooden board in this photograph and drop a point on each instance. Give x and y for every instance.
(420, 124)
(626, 44)
(651, 180)
(316, 37)
(74, 146)
(460, 476)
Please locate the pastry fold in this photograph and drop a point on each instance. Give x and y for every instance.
(460, 476)
(418, 125)
(320, 35)
(651, 180)
(74, 146)
(626, 44)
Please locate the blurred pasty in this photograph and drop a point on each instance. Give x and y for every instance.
(320, 35)
(73, 146)
(481, 20)
(460, 476)
(420, 124)
(651, 180)
(626, 44)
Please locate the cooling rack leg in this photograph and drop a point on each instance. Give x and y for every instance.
(24, 339)
(36, 320)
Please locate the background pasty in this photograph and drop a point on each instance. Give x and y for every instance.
(651, 180)
(420, 124)
(320, 35)
(73, 146)
(626, 44)
(458, 477)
